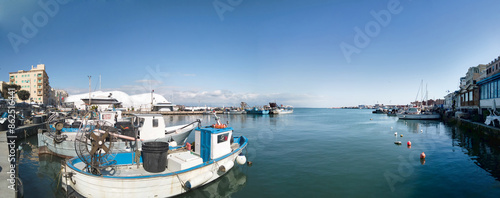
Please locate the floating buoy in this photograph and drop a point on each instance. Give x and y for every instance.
(401, 135)
(241, 159)
(408, 143)
(397, 142)
(371, 119)
(421, 130)
(396, 134)
(188, 146)
(422, 155)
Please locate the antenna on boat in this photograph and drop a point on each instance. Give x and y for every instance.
(90, 98)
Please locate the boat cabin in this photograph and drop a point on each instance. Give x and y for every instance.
(212, 143)
(154, 124)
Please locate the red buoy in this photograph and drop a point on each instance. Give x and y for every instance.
(422, 155)
(188, 146)
(408, 143)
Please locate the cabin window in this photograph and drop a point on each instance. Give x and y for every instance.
(222, 138)
(155, 123)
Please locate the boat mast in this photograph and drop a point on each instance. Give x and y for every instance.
(99, 82)
(90, 99)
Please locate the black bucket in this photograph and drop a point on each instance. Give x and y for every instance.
(154, 156)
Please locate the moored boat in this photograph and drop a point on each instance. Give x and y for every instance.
(275, 109)
(165, 173)
(257, 111)
(415, 113)
(60, 140)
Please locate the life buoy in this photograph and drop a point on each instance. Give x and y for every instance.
(219, 126)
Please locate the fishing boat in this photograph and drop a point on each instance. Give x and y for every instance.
(257, 111)
(159, 170)
(233, 111)
(60, 138)
(380, 111)
(275, 109)
(415, 113)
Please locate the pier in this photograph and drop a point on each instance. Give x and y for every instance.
(5, 167)
(5, 177)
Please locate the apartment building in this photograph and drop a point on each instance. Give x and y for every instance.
(35, 81)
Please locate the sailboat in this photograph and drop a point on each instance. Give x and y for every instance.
(417, 113)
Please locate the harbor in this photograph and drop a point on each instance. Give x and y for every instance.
(258, 98)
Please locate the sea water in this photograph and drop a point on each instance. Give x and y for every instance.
(328, 153)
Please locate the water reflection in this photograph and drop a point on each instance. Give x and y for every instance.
(225, 186)
(484, 151)
(43, 169)
(418, 126)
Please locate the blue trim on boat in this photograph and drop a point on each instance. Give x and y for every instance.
(241, 139)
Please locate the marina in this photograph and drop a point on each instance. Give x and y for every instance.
(256, 98)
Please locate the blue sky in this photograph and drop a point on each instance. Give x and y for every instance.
(193, 52)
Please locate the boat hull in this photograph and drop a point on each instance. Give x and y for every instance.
(153, 185)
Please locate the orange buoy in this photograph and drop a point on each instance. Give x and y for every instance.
(188, 146)
(408, 143)
(219, 126)
(422, 155)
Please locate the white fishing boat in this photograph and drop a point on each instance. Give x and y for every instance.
(233, 111)
(415, 113)
(60, 140)
(275, 109)
(159, 170)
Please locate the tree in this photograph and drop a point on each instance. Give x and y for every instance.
(5, 89)
(23, 95)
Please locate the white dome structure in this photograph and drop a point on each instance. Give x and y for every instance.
(136, 101)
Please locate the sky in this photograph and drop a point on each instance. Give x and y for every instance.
(316, 53)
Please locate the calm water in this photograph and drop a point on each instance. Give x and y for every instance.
(327, 153)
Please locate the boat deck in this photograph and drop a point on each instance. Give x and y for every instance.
(137, 170)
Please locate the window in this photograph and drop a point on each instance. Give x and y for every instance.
(34, 91)
(222, 138)
(491, 90)
(494, 85)
(39, 75)
(155, 123)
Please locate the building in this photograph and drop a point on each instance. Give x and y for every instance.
(493, 68)
(35, 81)
(463, 82)
(165, 106)
(56, 96)
(490, 86)
(469, 92)
(474, 73)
